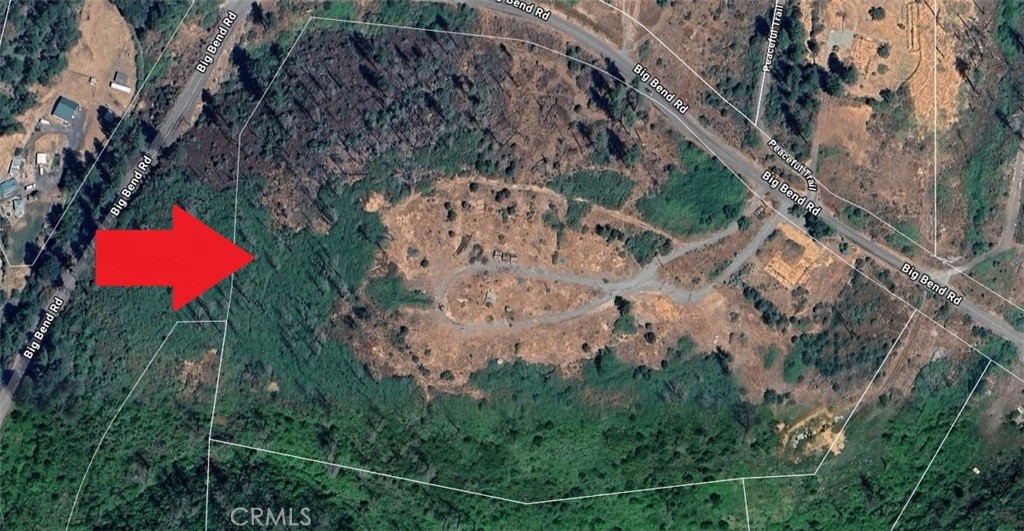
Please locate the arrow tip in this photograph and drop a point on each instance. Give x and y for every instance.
(204, 258)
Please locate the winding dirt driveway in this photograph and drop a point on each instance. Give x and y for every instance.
(646, 280)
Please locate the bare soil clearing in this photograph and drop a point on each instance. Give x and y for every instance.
(427, 248)
(196, 372)
(907, 31)
(790, 266)
(486, 297)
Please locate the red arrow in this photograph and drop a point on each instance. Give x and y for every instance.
(190, 258)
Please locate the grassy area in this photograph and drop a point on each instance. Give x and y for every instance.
(998, 272)
(390, 293)
(984, 185)
(289, 383)
(338, 10)
(888, 445)
(607, 188)
(793, 367)
(904, 243)
(769, 356)
(575, 212)
(706, 197)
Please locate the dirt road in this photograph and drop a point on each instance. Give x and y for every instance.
(646, 280)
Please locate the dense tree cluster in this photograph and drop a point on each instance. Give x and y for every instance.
(36, 43)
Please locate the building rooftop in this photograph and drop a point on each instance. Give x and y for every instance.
(65, 109)
(120, 78)
(8, 187)
(18, 205)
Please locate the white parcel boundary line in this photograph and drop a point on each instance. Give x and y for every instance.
(209, 434)
(939, 449)
(211, 439)
(529, 43)
(742, 480)
(746, 508)
(760, 96)
(863, 394)
(113, 419)
(820, 182)
(747, 118)
(127, 112)
(231, 285)
(712, 152)
(935, 132)
(501, 498)
(643, 94)
(368, 472)
(709, 150)
(3, 30)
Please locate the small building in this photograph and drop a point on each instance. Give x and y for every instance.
(18, 204)
(65, 109)
(42, 159)
(14, 170)
(8, 188)
(120, 82)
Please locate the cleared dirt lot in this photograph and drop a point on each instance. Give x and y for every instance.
(486, 297)
(421, 230)
(906, 30)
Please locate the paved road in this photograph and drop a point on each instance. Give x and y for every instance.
(748, 169)
(186, 100)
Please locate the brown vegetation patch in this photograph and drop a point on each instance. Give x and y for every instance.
(890, 174)
(712, 38)
(609, 24)
(845, 127)
(810, 434)
(288, 198)
(722, 320)
(194, 373)
(922, 342)
(1002, 420)
(439, 355)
